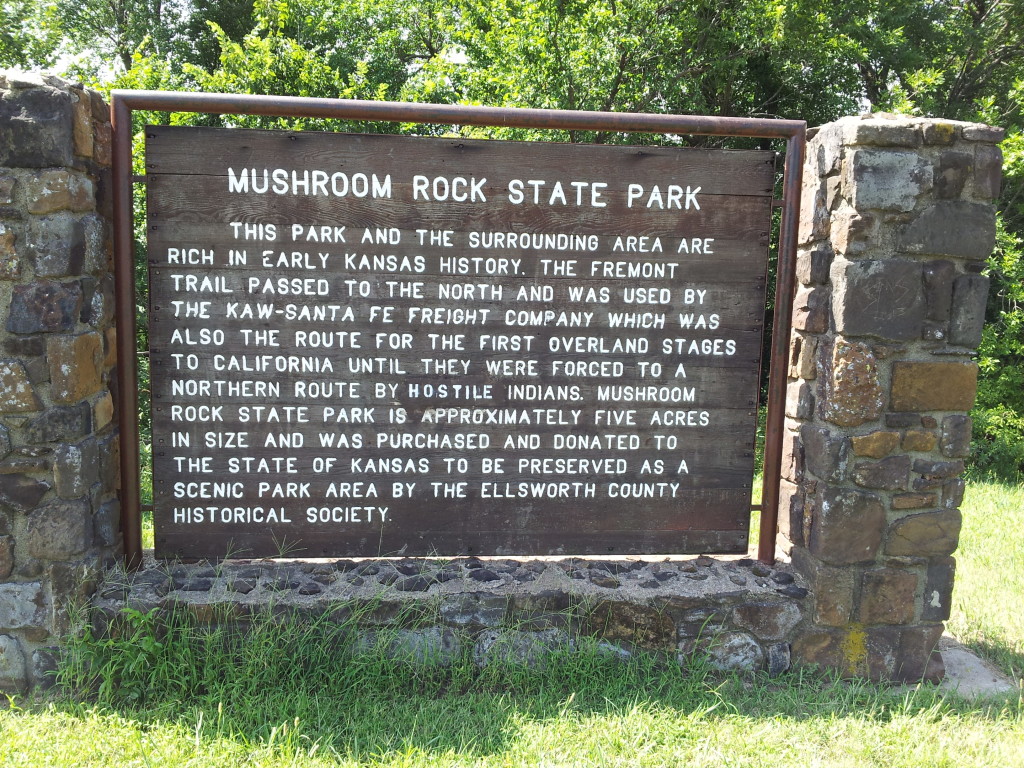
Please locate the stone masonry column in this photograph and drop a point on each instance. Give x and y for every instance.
(59, 517)
(897, 221)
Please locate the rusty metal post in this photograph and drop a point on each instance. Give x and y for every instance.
(124, 293)
(785, 279)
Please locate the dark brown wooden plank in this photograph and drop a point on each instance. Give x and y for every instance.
(446, 311)
(204, 151)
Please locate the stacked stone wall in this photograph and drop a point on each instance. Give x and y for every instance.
(897, 220)
(59, 519)
(741, 614)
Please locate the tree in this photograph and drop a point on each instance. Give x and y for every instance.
(808, 59)
(26, 40)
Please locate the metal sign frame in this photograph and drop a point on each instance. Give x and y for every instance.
(123, 103)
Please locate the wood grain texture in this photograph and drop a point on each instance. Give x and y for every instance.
(566, 361)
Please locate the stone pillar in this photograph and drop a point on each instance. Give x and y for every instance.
(897, 221)
(59, 518)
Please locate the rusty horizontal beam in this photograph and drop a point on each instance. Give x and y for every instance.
(455, 114)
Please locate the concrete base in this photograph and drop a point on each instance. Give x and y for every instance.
(970, 676)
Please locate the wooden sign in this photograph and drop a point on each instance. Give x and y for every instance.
(378, 345)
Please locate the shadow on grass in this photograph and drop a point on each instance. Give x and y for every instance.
(360, 700)
(1007, 658)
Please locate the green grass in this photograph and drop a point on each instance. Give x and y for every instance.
(301, 697)
(989, 593)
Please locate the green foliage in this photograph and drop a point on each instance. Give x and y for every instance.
(147, 660)
(999, 414)
(26, 38)
(806, 59)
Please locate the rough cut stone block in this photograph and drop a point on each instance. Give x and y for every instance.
(63, 422)
(933, 386)
(799, 400)
(852, 394)
(886, 180)
(480, 609)
(81, 108)
(107, 524)
(791, 511)
(951, 174)
(887, 596)
(848, 526)
(825, 648)
(880, 131)
(21, 492)
(956, 228)
(45, 306)
(953, 493)
(930, 534)
(17, 394)
(852, 231)
(110, 348)
(988, 172)
(792, 457)
(98, 247)
(426, 647)
(37, 128)
(814, 217)
(917, 658)
(103, 411)
(938, 469)
(57, 245)
(531, 649)
(10, 261)
(876, 445)
(938, 290)
(102, 143)
(825, 452)
(812, 266)
(921, 440)
(902, 420)
(779, 659)
(914, 500)
(75, 469)
(59, 530)
(75, 366)
(6, 556)
(938, 589)
(7, 187)
(970, 292)
(939, 133)
(98, 305)
(892, 474)
(879, 298)
(734, 652)
(880, 652)
(621, 620)
(980, 132)
(13, 672)
(810, 309)
(802, 351)
(59, 190)
(23, 605)
(44, 667)
(956, 436)
(767, 620)
(833, 595)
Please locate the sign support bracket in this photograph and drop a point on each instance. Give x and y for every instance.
(124, 102)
